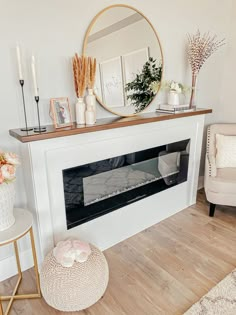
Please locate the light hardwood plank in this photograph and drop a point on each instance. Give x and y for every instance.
(162, 270)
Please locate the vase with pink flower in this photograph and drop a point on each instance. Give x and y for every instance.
(8, 164)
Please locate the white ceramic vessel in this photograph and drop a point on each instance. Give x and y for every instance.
(90, 116)
(80, 111)
(91, 101)
(7, 198)
(173, 98)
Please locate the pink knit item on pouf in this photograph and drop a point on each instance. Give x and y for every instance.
(77, 287)
(71, 250)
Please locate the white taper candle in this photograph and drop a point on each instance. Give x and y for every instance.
(18, 54)
(36, 93)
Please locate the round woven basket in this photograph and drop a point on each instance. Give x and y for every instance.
(75, 288)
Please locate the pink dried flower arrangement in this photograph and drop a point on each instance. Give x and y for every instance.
(200, 48)
(8, 164)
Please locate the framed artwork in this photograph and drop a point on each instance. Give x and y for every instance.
(112, 82)
(133, 63)
(60, 112)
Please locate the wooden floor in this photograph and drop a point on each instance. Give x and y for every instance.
(162, 270)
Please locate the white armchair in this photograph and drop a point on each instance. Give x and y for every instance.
(220, 183)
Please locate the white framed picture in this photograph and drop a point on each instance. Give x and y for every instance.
(112, 82)
(133, 63)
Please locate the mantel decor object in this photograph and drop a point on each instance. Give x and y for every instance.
(90, 116)
(60, 112)
(39, 128)
(90, 98)
(23, 99)
(21, 80)
(80, 68)
(200, 48)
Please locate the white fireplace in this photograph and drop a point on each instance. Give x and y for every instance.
(45, 160)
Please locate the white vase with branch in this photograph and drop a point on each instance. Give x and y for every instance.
(80, 68)
(90, 98)
(200, 48)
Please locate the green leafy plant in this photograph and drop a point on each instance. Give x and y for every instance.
(139, 91)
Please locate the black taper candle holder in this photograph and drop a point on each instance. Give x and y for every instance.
(39, 128)
(23, 99)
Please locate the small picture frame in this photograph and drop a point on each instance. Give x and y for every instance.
(60, 112)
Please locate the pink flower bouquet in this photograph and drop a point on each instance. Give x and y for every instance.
(8, 164)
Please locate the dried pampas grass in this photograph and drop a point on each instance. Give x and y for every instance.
(92, 65)
(80, 70)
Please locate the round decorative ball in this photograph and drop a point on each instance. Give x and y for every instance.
(75, 288)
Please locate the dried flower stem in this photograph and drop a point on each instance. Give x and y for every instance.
(91, 72)
(80, 68)
(200, 48)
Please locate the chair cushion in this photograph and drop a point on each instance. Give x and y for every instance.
(225, 151)
(224, 182)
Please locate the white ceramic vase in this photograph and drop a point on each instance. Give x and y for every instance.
(91, 101)
(80, 111)
(173, 98)
(89, 116)
(7, 198)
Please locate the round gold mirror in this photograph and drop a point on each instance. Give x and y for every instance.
(129, 59)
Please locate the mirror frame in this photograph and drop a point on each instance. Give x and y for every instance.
(85, 46)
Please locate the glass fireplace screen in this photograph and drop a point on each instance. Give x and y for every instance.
(94, 189)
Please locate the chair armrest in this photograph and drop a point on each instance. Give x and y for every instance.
(211, 165)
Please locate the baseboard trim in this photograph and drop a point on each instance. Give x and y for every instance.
(200, 182)
(8, 266)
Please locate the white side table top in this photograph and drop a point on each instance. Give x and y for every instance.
(23, 223)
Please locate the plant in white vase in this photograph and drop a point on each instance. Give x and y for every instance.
(8, 164)
(80, 68)
(90, 98)
(174, 90)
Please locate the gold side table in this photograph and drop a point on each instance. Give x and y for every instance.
(21, 227)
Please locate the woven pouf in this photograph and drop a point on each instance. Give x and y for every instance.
(77, 287)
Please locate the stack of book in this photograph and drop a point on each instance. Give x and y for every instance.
(174, 109)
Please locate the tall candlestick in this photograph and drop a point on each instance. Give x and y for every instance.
(18, 54)
(39, 128)
(36, 93)
(23, 98)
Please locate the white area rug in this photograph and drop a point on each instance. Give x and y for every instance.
(221, 300)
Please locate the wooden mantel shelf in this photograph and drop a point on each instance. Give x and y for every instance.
(101, 124)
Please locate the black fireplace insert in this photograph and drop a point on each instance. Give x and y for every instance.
(97, 188)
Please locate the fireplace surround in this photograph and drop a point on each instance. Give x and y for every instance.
(48, 160)
(46, 156)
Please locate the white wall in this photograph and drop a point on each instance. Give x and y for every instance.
(54, 30)
(226, 109)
